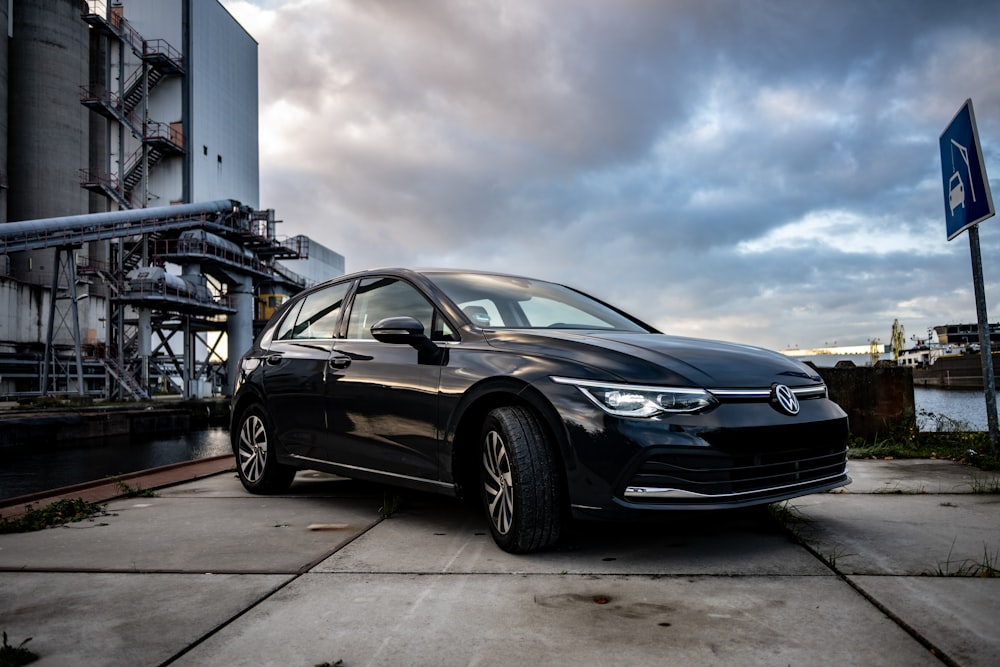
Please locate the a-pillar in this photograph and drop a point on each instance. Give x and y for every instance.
(239, 326)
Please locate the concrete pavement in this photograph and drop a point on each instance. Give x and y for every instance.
(205, 574)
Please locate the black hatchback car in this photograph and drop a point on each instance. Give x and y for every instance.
(544, 402)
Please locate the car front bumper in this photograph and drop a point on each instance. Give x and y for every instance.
(737, 455)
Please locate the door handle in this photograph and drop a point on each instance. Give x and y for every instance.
(340, 362)
(272, 359)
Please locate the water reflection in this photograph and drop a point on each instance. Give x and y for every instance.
(950, 409)
(25, 470)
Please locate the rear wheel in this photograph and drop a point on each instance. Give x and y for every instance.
(256, 462)
(520, 484)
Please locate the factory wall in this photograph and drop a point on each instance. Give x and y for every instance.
(220, 60)
(24, 317)
(223, 121)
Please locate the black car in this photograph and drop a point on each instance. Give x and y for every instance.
(543, 401)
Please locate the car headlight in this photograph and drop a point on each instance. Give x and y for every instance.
(626, 400)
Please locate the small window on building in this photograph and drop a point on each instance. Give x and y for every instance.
(219, 158)
(204, 150)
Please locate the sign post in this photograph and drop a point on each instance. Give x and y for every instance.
(967, 202)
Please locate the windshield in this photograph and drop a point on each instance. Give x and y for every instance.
(496, 301)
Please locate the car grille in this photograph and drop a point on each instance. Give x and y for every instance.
(708, 477)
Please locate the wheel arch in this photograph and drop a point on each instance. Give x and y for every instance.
(241, 403)
(477, 403)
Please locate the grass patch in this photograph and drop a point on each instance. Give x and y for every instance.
(953, 441)
(58, 513)
(15, 656)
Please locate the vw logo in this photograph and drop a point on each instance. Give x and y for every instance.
(785, 399)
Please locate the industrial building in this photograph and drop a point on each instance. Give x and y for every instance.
(135, 258)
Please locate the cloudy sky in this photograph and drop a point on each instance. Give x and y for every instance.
(761, 171)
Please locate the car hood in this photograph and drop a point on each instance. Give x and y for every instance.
(660, 358)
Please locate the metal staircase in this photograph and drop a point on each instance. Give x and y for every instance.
(160, 60)
(125, 380)
(127, 105)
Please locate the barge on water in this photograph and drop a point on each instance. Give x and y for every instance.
(955, 360)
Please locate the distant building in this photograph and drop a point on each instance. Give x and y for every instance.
(965, 334)
(321, 263)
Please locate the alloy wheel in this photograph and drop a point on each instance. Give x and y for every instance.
(498, 483)
(253, 448)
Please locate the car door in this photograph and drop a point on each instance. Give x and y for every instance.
(383, 399)
(296, 368)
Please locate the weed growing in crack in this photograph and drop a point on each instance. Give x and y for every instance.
(58, 513)
(15, 656)
(985, 485)
(986, 567)
(832, 557)
(129, 491)
(390, 504)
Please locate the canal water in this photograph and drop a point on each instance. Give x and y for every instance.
(26, 470)
(937, 409)
(950, 409)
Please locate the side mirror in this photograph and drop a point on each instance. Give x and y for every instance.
(398, 330)
(402, 331)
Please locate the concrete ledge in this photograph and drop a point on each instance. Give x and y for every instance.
(108, 489)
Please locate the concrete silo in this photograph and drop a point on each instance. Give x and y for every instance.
(47, 125)
(3, 117)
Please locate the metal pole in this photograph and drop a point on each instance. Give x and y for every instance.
(985, 346)
(75, 310)
(50, 328)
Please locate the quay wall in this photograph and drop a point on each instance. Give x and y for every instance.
(19, 428)
(877, 399)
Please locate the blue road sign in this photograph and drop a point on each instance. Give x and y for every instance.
(967, 197)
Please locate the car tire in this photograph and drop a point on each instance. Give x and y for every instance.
(520, 484)
(256, 461)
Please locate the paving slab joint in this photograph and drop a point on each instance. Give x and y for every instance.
(793, 516)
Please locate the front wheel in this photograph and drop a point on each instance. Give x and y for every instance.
(256, 460)
(520, 484)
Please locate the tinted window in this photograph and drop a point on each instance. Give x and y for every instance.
(317, 315)
(497, 301)
(284, 330)
(379, 298)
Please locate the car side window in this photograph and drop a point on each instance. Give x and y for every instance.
(379, 298)
(317, 316)
(284, 331)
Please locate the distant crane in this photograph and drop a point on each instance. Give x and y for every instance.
(898, 339)
(875, 350)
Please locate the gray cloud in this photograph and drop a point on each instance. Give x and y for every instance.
(766, 172)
